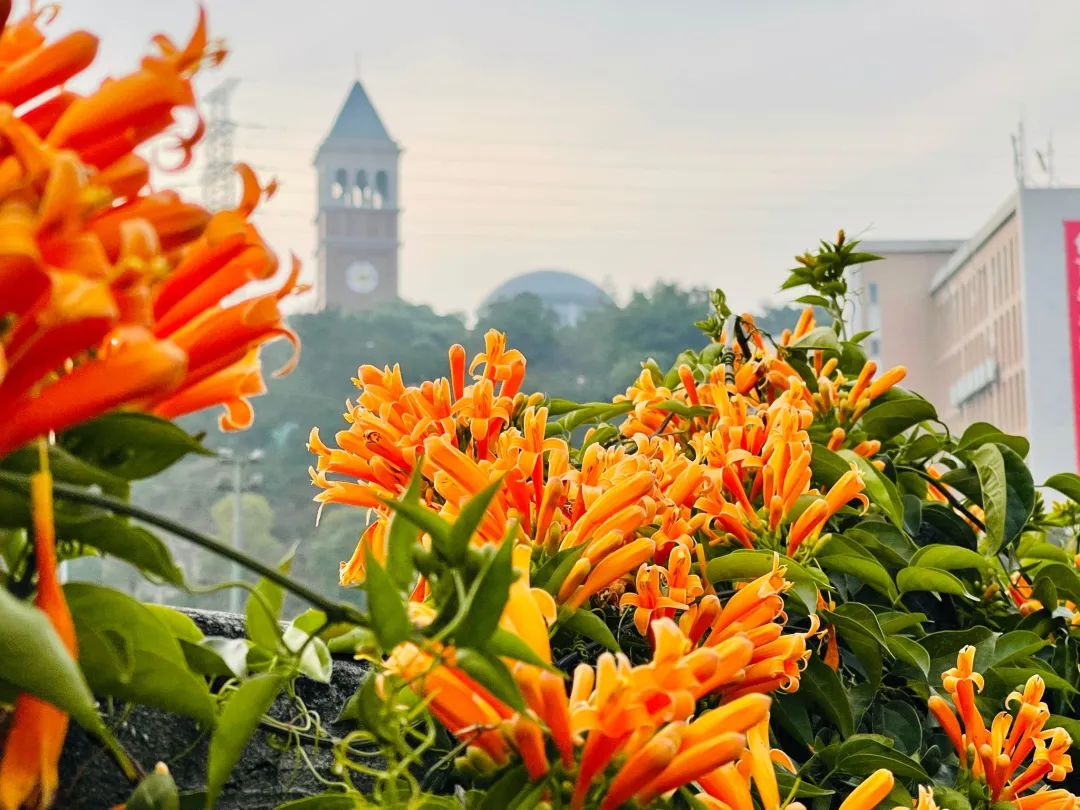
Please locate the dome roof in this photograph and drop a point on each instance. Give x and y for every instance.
(553, 286)
(569, 295)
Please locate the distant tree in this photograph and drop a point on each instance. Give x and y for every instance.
(320, 553)
(256, 524)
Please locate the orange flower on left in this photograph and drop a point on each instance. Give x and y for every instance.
(32, 747)
(111, 290)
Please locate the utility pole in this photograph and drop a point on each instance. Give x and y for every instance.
(218, 176)
(237, 484)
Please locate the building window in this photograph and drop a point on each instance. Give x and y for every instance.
(339, 186)
(382, 189)
(361, 192)
(872, 290)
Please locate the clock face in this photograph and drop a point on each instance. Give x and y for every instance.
(361, 277)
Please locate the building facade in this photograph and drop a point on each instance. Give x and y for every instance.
(358, 209)
(989, 328)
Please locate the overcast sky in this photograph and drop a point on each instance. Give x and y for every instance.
(700, 142)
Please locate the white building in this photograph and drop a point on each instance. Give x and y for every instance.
(984, 326)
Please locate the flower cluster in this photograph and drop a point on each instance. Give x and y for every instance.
(1017, 751)
(111, 291)
(718, 459)
(634, 731)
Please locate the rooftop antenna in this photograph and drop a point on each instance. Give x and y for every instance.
(1019, 155)
(1046, 159)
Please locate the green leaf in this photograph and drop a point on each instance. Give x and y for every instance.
(217, 656)
(827, 467)
(66, 468)
(744, 564)
(181, 626)
(949, 558)
(263, 615)
(426, 520)
(130, 543)
(131, 445)
(861, 756)
(1066, 579)
(468, 521)
(492, 674)
(881, 491)
(821, 337)
(505, 644)
(551, 575)
(1017, 644)
(128, 652)
(1068, 484)
(867, 569)
(944, 646)
(911, 652)
(1008, 493)
(389, 615)
(156, 792)
(893, 621)
(505, 789)
(980, 433)
(351, 641)
(804, 790)
(486, 599)
(913, 579)
(586, 623)
(315, 661)
(942, 525)
(855, 617)
(1035, 547)
(36, 661)
(236, 724)
(897, 546)
(823, 687)
(1017, 676)
(889, 417)
(402, 536)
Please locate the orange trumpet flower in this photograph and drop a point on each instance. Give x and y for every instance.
(32, 748)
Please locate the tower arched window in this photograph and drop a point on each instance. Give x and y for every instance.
(362, 190)
(382, 189)
(339, 188)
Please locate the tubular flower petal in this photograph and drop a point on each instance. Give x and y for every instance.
(870, 792)
(32, 748)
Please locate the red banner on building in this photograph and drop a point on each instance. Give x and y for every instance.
(1072, 281)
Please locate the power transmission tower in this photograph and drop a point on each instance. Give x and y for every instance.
(218, 176)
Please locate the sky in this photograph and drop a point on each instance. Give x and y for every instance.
(632, 141)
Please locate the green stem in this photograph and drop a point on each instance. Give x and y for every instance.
(335, 611)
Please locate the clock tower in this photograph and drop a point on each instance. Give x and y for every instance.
(357, 221)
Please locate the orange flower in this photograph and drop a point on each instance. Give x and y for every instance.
(648, 597)
(996, 756)
(870, 792)
(108, 291)
(32, 748)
